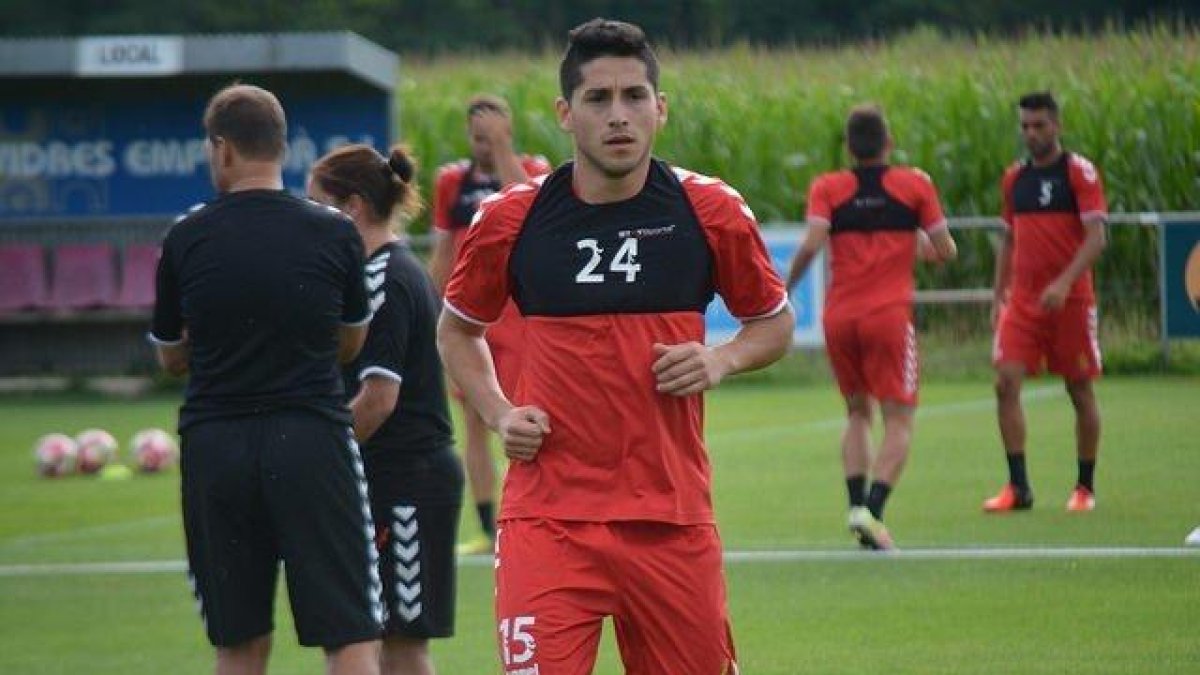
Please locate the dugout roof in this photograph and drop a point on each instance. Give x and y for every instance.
(281, 53)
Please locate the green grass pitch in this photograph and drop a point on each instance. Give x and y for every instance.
(778, 488)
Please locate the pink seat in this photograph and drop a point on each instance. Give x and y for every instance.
(139, 263)
(22, 277)
(84, 276)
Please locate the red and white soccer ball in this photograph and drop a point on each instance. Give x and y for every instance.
(97, 447)
(154, 450)
(55, 455)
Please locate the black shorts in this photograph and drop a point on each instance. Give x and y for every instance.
(285, 486)
(416, 540)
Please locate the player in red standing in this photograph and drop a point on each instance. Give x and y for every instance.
(1044, 310)
(458, 190)
(876, 218)
(612, 260)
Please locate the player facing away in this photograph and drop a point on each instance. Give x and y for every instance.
(612, 260)
(877, 219)
(260, 295)
(1044, 308)
(458, 190)
(398, 401)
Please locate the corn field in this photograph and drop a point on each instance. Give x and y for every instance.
(768, 121)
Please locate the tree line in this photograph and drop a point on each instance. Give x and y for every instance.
(430, 27)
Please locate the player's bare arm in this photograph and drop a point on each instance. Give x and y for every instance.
(173, 358)
(690, 368)
(814, 241)
(467, 359)
(1095, 239)
(374, 403)
(1003, 273)
(441, 259)
(937, 246)
(350, 341)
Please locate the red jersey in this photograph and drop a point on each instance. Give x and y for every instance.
(457, 193)
(598, 286)
(873, 213)
(1044, 208)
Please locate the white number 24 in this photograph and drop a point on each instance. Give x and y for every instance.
(622, 262)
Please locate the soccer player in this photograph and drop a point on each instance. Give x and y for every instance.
(259, 296)
(1044, 309)
(399, 406)
(611, 259)
(877, 219)
(458, 190)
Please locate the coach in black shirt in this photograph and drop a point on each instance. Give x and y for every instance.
(260, 296)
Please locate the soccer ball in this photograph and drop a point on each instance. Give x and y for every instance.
(97, 447)
(154, 450)
(55, 455)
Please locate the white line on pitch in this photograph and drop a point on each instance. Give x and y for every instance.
(123, 527)
(732, 557)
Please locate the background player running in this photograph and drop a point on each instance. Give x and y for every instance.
(876, 218)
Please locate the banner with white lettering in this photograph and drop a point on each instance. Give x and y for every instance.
(808, 297)
(140, 158)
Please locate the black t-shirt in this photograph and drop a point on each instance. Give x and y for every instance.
(261, 281)
(410, 454)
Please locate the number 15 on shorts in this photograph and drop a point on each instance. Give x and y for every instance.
(517, 645)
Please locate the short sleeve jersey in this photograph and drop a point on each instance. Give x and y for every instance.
(1044, 209)
(873, 214)
(401, 346)
(260, 281)
(457, 193)
(599, 285)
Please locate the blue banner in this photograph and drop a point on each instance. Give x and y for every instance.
(808, 298)
(147, 158)
(1179, 248)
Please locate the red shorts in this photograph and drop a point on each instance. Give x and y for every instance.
(875, 354)
(662, 584)
(1064, 342)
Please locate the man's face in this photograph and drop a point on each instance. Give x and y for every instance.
(481, 143)
(613, 115)
(1039, 131)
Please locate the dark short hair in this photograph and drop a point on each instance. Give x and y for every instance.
(1039, 100)
(866, 132)
(603, 37)
(385, 184)
(250, 118)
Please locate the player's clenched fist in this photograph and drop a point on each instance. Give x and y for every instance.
(686, 369)
(521, 429)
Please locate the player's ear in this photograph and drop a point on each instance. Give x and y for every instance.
(228, 154)
(662, 108)
(354, 207)
(562, 109)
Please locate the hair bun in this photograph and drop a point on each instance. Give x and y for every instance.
(401, 164)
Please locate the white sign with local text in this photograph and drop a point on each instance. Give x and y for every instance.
(129, 56)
